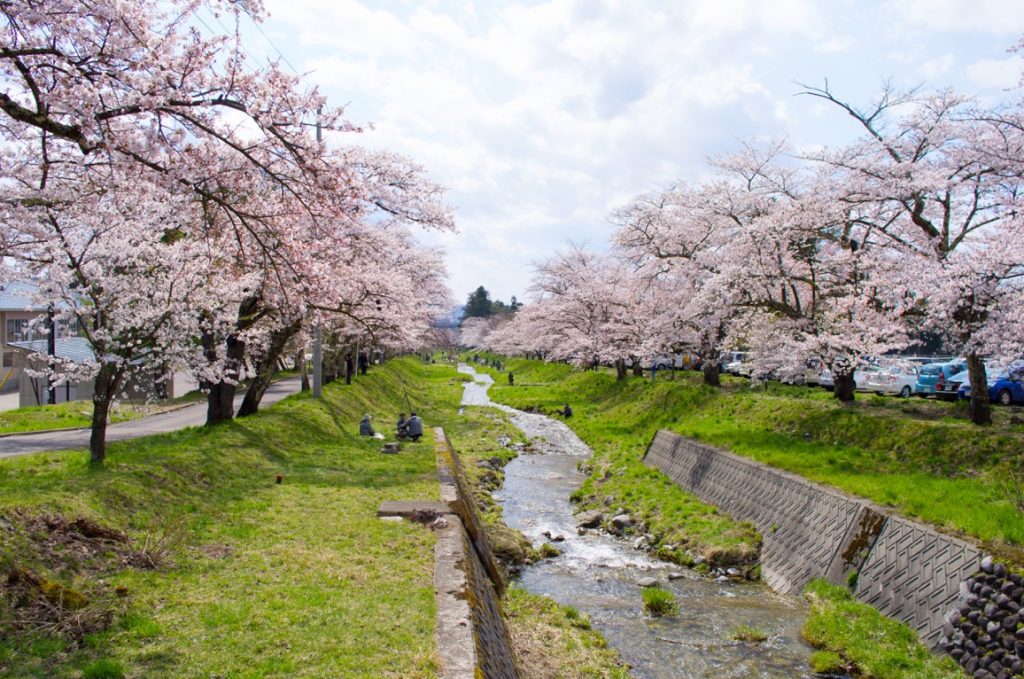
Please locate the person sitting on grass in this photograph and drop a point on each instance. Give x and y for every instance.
(365, 428)
(403, 426)
(566, 412)
(414, 426)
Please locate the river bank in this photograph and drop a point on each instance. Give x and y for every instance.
(600, 574)
(618, 419)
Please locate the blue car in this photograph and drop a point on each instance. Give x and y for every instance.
(1005, 389)
(933, 379)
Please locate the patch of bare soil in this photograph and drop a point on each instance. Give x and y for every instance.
(56, 571)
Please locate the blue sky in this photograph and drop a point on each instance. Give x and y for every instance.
(542, 117)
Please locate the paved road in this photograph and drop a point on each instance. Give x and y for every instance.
(155, 424)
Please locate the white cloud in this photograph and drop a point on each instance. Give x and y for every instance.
(992, 17)
(541, 117)
(996, 73)
(939, 66)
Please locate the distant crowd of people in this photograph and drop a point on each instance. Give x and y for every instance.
(495, 363)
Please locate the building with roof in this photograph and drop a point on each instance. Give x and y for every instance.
(17, 311)
(26, 345)
(143, 382)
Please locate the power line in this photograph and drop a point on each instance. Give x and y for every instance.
(279, 52)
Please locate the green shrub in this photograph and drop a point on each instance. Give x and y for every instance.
(548, 551)
(869, 643)
(104, 669)
(748, 633)
(827, 662)
(658, 601)
(851, 580)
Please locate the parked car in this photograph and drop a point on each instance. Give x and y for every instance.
(944, 388)
(931, 380)
(733, 362)
(895, 379)
(810, 374)
(739, 363)
(664, 362)
(1004, 388)
(864, 376)
(825, 379)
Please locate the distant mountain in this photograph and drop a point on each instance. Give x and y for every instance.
(452, 319)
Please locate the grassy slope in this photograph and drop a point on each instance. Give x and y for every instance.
(855, 637)
(919, 457)
(69, 415)
(298, 579)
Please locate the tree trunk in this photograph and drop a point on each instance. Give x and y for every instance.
(980, 410)
(266, 367)
(844, 387)
(620, 369)
(106, 384)
(300, 363)
(638, 370)
(220, 399)
(712, 374)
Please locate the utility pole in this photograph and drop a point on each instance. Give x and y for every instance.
(318, 352)
(51, 350)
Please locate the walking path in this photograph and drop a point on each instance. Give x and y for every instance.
(191, 416)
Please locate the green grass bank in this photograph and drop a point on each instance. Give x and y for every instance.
(921, 458)
(68, 415)
(192, 561)
(183, 556)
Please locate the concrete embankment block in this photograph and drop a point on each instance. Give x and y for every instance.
(905, 569)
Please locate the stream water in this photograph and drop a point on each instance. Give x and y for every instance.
(598, 573)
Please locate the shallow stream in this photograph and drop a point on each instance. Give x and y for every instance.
(598, 574)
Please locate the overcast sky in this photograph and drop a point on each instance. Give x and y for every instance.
(541, 117)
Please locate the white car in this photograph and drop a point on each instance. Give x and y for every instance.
(860, 376)
(896, 379)
(864, 376)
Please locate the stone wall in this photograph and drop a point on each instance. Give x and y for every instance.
(907, 570)
(471, 638)
(986, 633)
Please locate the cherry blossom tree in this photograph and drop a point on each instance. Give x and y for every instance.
(676, 239)
(196, 160)
(935, 180)
(589, 308)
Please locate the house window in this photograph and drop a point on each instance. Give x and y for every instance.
(18, 330)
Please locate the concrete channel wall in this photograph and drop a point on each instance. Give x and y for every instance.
(906, 570)
(471, 638)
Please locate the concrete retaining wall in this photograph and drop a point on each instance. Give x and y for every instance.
(471, 638)
(907, 570)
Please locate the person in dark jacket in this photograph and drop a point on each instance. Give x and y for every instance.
(403, 426)
(566, 412)
(350, 368)
(511, 379)
(364, 362)
(365, 428)
(415, 426)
